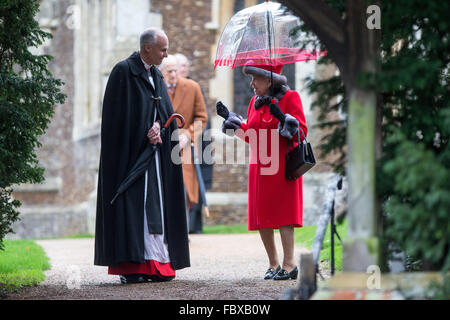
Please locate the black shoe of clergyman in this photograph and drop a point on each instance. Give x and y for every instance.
(284, 275)
(156, 278)
(271, 272)
(132, 278)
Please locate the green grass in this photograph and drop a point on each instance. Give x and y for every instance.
(22, 263)
(303, 236)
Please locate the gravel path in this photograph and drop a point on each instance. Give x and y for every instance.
(222, 267)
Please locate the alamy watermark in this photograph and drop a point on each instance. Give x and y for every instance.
(73, 20)
(266, 148)
(374, 19)
(374, 280)
(73, 274)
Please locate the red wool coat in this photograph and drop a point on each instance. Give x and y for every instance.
(273, 201)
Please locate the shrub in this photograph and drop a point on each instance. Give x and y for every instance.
(28, 93)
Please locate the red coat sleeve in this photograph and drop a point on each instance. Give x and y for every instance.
(240, 133)
(295, 108)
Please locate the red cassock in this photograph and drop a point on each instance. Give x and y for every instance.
(273, 201)
(150, 267)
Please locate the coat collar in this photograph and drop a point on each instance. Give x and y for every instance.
(266, 100)
(136, 64)
(180, 92)
(137, 68)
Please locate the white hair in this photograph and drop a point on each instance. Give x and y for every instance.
(170, 59)
(181, 57)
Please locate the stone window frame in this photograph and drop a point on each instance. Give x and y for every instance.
(91, 18)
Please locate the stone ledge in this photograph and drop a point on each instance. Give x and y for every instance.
(86, 131)
(212, 26)
(51, 184)
(357, 286)
(357, 295)
(52, 209)
(50, 222)
(226, 198)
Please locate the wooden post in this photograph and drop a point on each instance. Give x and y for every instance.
(354, 48)
(361, 245)
(361, 248)
(307, 276)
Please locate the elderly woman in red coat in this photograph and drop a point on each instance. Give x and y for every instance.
(274, 202)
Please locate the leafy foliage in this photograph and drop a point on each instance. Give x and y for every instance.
(28, 93)
(417, 211)
(414, 82)
(413, 174)
(326, 91)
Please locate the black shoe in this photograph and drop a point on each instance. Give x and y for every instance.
(132, 278)
(284, 275)
(271, 272)
(156, 278)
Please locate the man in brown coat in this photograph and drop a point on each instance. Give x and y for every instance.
(187, 99)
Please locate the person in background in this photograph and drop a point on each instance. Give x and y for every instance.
(183, 65)
(187, 100)
(206, 165)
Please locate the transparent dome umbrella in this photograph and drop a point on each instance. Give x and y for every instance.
(262, 35)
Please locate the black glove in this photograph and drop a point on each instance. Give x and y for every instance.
(233, 123)
(275, 110)
(222, 110)
(289, 127)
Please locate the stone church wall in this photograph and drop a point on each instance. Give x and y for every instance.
(89, 38)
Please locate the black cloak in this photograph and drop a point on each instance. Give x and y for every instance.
(128, 113)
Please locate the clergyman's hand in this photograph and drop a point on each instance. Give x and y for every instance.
(154, 134)
(184, 141)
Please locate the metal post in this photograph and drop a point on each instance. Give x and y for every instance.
(333, 230)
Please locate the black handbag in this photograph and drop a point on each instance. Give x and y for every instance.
(300, 159)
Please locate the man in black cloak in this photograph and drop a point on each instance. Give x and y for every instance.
(142, 235)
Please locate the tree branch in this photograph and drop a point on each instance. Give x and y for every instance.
(325, 22)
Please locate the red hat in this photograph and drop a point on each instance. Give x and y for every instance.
(264, 71)
(276, 69)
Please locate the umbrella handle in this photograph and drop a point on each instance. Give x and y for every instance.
(175, 115)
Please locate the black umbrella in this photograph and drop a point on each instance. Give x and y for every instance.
(142, 163)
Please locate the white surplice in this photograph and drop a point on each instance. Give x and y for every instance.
(154, 246)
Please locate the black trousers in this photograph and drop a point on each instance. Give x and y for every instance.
(195, 217)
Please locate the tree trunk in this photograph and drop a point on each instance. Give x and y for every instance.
(361, 246)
